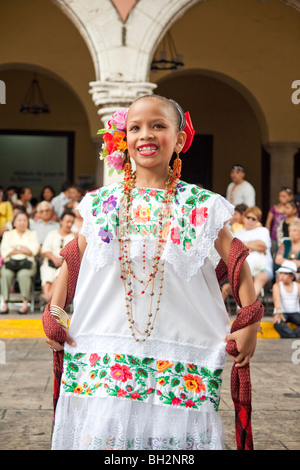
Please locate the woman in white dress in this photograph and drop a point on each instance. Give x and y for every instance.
(145, 349)
(19, 246)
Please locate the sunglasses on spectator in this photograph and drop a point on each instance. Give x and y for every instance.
(251, 218)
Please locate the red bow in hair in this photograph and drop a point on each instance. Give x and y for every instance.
(190, 132)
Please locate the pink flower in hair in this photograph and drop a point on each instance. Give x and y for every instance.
(116, 160)
(119, 119)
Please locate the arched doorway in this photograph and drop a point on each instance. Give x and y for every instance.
(229, 129)
(66, 129)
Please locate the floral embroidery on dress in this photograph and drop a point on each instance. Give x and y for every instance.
(189, 213)
(129, 377)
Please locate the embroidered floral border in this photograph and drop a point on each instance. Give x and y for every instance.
(190, 213)
(142, 379)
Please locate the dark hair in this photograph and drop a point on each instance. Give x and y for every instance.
(286, 189)
(46, 187)
(67, 213)
(17, 214)
(22, 190)
(237, 167)
(241, 208)
(176, 107)
(4, 195)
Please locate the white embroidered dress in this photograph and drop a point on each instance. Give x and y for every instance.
(163, 393)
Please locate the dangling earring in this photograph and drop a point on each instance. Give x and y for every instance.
(128, 175)
(177, 167)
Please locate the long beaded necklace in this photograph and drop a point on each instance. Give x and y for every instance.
(128, 276)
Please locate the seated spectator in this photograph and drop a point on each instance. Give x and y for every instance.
(24, 199)
(257, 239)
(290, 247)
(75, 195)
(47, 193)
(54, 242)
(6, 211)
(9, 225)
(59, 201)
(291, 212)
(44, 223)
(276, 214)
(237, 220)
(18, 248)
(12, 194)
(286, 295)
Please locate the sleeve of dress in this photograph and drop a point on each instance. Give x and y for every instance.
(220, 212)
(196, 225)
(84, 209)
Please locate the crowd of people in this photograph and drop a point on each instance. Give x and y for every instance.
(274, 257)
(32, 234)
(34, 231)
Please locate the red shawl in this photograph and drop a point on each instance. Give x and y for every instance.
(51, 328)
(240, 377)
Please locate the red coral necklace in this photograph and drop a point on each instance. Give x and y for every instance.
(134, 285)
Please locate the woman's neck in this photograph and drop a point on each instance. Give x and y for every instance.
(149, 179)
(63, 232)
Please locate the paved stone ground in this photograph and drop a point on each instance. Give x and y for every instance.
(26, 396)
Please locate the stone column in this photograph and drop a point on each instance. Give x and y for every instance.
(96, 141)
(108, 98)
(281, 166)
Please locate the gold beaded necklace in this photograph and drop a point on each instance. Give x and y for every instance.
(128, 276)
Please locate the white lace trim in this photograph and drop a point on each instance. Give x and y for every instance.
(109, 424)
(166, 350)
(185, 263)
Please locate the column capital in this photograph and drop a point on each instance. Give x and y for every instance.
(114, 95)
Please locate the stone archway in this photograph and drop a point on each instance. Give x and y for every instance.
(224, 112)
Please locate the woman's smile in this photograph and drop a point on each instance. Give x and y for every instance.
(147, 150)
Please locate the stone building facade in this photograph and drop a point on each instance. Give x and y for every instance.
(240, 63)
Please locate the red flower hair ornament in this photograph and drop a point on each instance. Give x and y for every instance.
(190, 132)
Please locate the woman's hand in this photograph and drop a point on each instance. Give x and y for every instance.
(57, 260)
(58, 346)
(278, 318)
(245, 340)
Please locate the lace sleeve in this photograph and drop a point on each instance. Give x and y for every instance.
(204, 222)
(84, 209)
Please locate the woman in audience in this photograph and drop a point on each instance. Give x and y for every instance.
(290, 247)
(277, 213)
(6, 211)
(286, 298)
(18, 248)
(54, 242)
(291, 212)
(257, 239)
(47, 193)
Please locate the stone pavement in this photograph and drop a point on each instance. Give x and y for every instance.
(26, 395)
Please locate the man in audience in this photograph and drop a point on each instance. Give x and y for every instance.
(45, 223)
(240, 191)
(59, 201)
